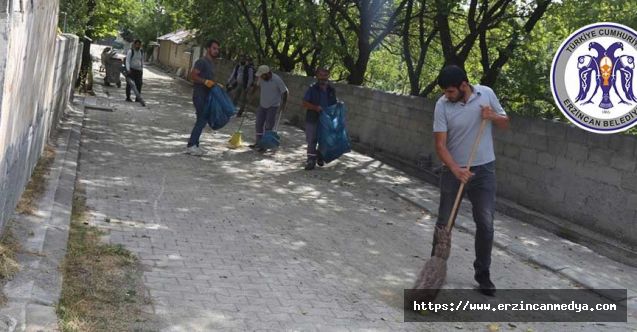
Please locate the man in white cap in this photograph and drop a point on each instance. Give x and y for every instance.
(274, 95)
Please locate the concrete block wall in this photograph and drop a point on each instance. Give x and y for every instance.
(66, 65)
(551, 167)
(36, 71)
(586, 178)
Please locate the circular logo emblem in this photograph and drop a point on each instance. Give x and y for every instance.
(593, 78)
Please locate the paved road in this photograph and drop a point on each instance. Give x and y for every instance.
(243, 241)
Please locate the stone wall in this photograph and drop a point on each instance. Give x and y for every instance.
(36, 75)
(550, 167)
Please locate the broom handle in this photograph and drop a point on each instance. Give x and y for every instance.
(456, 204)
(243, 118)
(276, 125)
(254, 96)
(241, 124)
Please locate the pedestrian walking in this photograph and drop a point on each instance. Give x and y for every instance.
(242, 78)
(135, 68)
(202, 76)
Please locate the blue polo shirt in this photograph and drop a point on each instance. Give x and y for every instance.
(461, 122)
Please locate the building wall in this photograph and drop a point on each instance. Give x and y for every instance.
(164, 52)
(176, 56)
(35, 85)
(547, 166)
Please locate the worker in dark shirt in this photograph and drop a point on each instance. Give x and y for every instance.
(318, 96)
(202, 76)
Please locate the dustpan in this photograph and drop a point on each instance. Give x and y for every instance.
(270, 140)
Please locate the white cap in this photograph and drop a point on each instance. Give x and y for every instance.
(263, 69)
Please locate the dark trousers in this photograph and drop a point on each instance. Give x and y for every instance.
(311, 137)
(240, 98)
(481, 190)
(200, 124)
(136, 76)
(265, 120)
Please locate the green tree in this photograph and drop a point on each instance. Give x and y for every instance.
(417, 34)
(96, 19)
(526, 76)
(154, 18)
(461, 27)
(361, 26)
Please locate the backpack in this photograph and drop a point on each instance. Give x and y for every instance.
(235, 74)
(140, 50)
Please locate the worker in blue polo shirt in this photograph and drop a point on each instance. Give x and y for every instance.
(318, 96)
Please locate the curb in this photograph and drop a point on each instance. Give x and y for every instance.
(563, 228)
(570, 231)
(34, 292)
(588, 280)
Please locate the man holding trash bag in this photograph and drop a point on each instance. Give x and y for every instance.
(457, 118)
(318, 97)
(273, 95)
(202, 76)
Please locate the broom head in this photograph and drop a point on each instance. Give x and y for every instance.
(235, 141)
(433, 274)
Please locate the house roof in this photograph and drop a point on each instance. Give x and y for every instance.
(179, 36)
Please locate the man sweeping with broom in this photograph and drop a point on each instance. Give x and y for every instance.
(463, 119)
(273, 96)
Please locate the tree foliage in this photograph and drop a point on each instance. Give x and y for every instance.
(98, 18)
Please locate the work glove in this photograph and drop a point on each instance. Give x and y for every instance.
(211, 83)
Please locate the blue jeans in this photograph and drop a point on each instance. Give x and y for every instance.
(481, 190)
(200, 124)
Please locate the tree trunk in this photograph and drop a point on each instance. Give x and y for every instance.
(357, 73)
(87, 60)
(490, 76)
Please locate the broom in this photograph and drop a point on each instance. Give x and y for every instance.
(433, 274)
(236, 140)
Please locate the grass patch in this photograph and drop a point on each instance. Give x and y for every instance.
(37, 184)
(103, 289)
(9, 246)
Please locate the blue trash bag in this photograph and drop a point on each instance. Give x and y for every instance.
(332, 133)
(219, 108)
